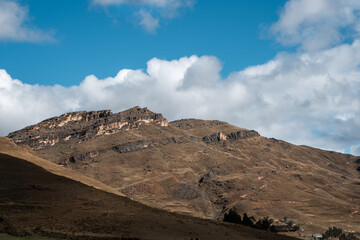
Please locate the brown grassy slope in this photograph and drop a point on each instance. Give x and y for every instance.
(9, 148)
(33, 199)
(176, 170)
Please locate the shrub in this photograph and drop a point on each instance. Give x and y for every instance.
(232, 217)
(247, 221)
(290, 223)
(333, 232)
(264, 224)
(350, 236)
(296, 228)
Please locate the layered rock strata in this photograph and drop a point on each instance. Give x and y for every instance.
(84, 126)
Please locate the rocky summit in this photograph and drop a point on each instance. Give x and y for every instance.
(202, 168)
(84, 126)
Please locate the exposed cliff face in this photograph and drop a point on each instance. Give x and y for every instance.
(84, 126)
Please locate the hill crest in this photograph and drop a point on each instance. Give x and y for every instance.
(204, 168)
(84, 125)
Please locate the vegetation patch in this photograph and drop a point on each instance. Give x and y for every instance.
(265, 223)
(334, 232)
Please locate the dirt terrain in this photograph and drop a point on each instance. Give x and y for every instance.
(202, 168)
(35, 200)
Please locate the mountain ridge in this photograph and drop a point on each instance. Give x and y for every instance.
(204, 168)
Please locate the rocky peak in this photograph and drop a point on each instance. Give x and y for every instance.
(84, 125)
(78, 117)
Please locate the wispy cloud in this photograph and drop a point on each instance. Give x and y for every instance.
(148, 21)
(174, 4)
(149, 13)
(14, 24)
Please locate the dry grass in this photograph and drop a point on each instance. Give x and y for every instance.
(260, 176)
(24, 152)
(35, 200)
(174, 169)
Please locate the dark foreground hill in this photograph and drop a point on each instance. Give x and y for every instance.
(35, 200)
(202, 168)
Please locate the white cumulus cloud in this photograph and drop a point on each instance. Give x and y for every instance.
(14, 25)
(304, 98)
(317, 24)
(309, 97)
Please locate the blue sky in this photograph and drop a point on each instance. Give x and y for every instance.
(286, 68)
(92, 39)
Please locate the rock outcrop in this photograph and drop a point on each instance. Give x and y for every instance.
(188, 192)
(84, 126)
(130, 147)
(242, 134)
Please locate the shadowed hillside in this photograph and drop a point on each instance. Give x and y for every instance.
(34, 200)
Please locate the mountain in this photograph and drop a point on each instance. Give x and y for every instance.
(202, 168)
(37, 198)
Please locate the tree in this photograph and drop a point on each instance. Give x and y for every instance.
(273, 228)
(333, 232)
(350, 236)
(232, 217)
(263, 224)
(247, 221)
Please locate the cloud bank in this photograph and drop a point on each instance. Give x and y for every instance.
(149, 13)
(14, 25)
(307, 98)
(317, 24)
